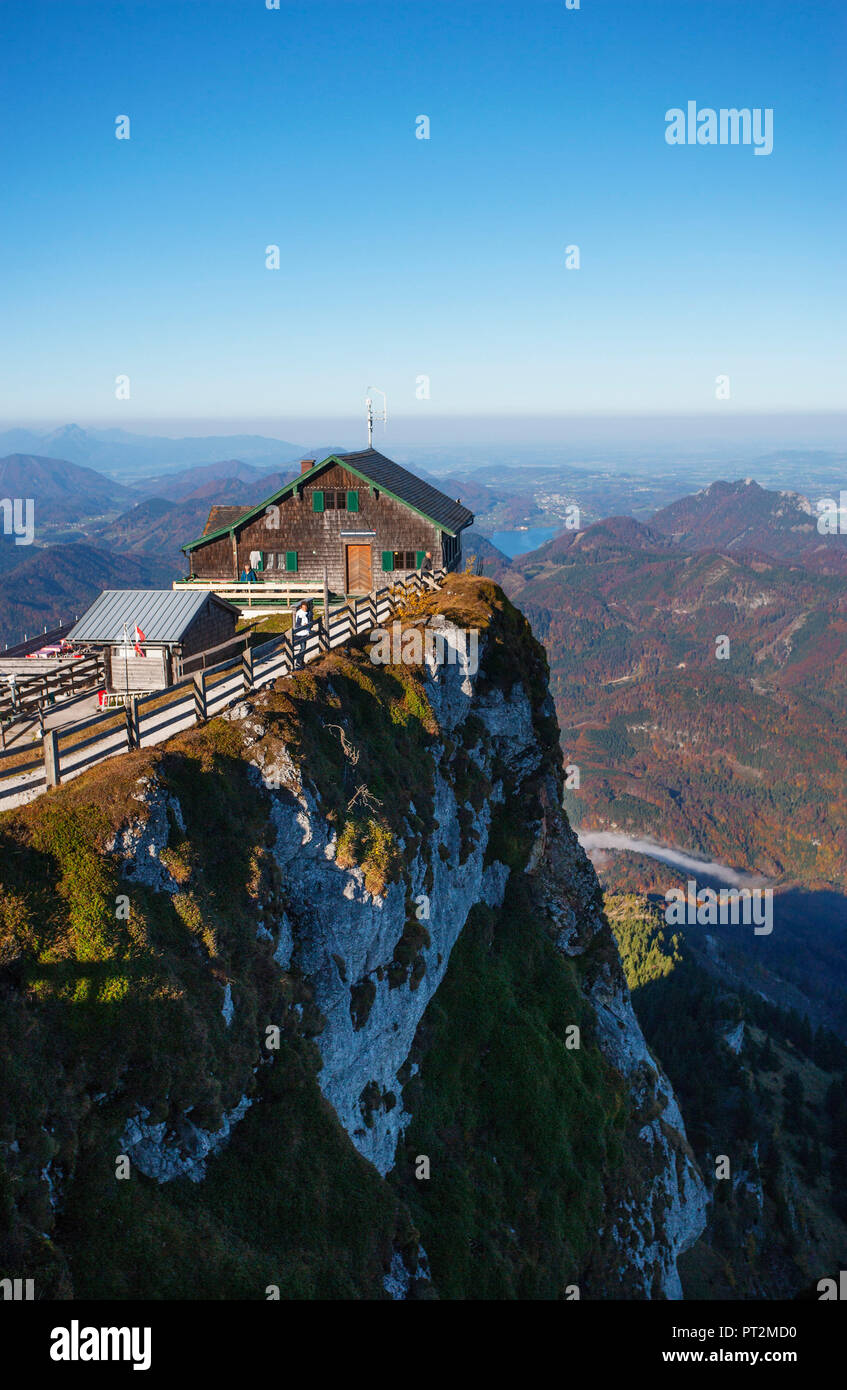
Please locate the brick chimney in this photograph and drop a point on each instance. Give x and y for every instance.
(306, 464)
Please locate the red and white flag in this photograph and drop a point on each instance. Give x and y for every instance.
(138, 637)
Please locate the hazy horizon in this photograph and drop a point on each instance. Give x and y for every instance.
(693, 433)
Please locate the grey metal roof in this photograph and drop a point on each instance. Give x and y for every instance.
(162, 614)
(387, 474)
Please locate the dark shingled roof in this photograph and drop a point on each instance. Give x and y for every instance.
(375, 468)
(387, 474)
(222, 517)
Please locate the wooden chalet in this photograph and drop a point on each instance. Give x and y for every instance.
(359, 517)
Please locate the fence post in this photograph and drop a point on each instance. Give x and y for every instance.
(131, 716)
(52, 769)
(200, 697)
(247, 669)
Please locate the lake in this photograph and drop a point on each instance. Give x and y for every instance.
(514, 543)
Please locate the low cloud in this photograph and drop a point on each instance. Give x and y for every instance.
(608, 839)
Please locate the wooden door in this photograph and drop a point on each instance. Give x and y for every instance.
(359, 569)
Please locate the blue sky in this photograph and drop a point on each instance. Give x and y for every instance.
(403, 257)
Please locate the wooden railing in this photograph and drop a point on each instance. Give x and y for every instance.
(37, 688)
(39, 639)
(261, 593)
(65, 753)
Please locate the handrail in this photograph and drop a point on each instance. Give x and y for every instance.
(150, 714)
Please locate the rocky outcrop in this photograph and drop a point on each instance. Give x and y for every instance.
(345, 938)
(166, 1152)
(372, 961)
(141, 839)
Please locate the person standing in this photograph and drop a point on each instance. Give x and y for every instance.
(300, 634)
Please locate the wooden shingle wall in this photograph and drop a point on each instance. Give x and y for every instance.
(212, 626)
(316, 536)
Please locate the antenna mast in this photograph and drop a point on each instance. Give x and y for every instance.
(370, 407)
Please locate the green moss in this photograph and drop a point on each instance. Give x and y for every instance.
(362, 996)
(86, 888)
(92, 1003)
(289, 1203)
(510, 837)
(388, 727)
(99, 999)
(519, 1129)
(370, 844)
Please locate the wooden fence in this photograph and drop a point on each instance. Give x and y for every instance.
(262, 593)
(64, 753)
(39, 686)
(39, 639)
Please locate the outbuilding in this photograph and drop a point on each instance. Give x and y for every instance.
(147, 635)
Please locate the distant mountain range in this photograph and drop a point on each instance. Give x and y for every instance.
(742, 516)
(63, 492)
(737, 759)
(476, 546)
(126, 455)
(160, 527)
(54, 585)
(207, 480)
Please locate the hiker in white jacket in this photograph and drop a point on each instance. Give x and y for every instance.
(300, 634)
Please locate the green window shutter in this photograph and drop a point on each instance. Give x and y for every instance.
(317, 500)
(353, 501)
(420, 556)
(260, 564)
(387, 561)
(291, 561)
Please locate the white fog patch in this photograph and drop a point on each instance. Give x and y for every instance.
(609, 839)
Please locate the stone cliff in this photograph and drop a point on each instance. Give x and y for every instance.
(361, 882)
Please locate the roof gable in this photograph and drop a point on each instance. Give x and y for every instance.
(220, 518)
(373, 468)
